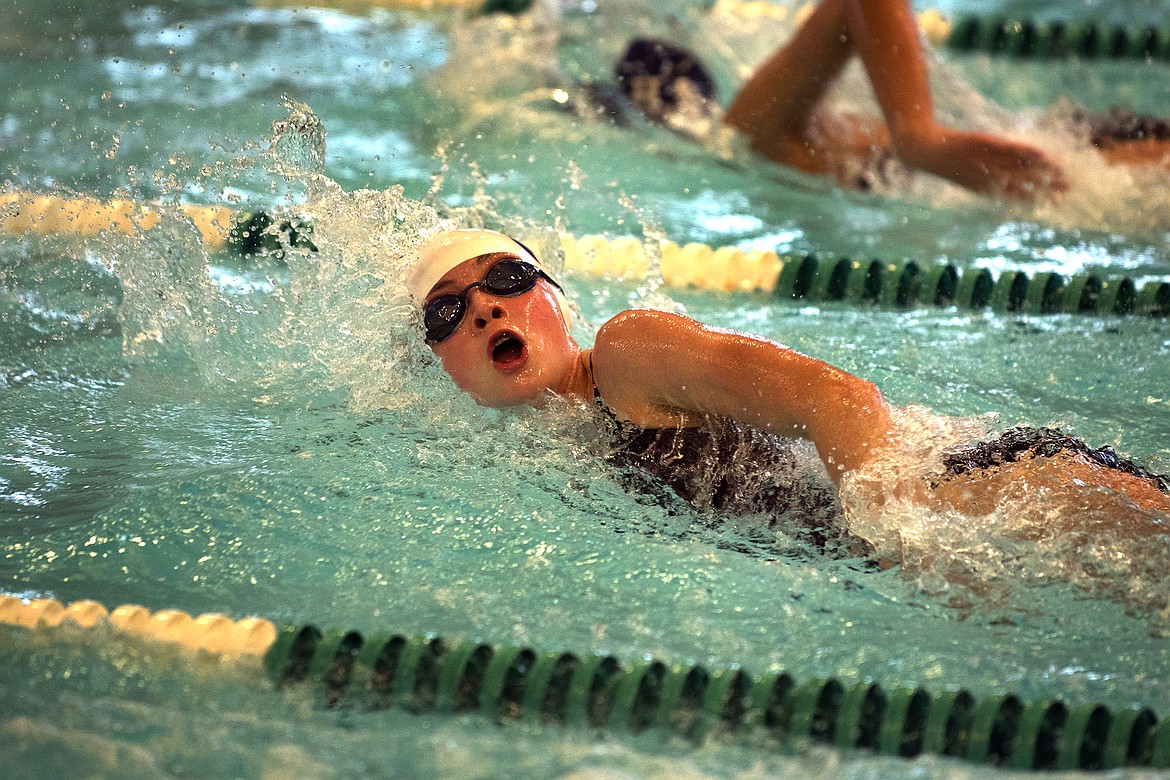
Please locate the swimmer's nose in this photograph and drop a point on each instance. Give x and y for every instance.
(484, 310)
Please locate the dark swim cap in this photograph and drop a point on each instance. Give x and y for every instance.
(666, 62)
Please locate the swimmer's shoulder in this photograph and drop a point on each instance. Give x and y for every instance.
(639, 328)
(647, 327)
(641, 345)
(627, 344)
(617, 340)
(633, 354)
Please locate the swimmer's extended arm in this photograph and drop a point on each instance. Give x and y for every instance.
(775, 107)
(647, 362)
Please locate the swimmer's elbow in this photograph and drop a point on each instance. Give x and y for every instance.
(872, 410)
(871, 397)
(858, 431)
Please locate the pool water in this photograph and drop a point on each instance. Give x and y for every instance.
(265, 435)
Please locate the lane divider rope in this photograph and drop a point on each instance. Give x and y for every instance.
(810, 278)
(583, 690)
(999, 34)
(211, 632)
(25, 213)
(933, 23)
(993, 34)
(1024, 37)
(818, 277)
(364, 6)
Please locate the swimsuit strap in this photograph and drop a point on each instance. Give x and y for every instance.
(592, 381)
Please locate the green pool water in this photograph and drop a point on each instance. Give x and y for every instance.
(265, 436)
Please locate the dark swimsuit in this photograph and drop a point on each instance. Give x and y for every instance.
(729, 467)
(1023, 443)
(1120, 125)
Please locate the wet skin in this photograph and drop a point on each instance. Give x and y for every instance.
(655, 369)
(780, 108)
(507, 351)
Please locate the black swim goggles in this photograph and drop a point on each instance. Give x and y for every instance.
(506, 278)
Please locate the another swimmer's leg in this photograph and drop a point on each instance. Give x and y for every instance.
(774, 106)
(885, 35)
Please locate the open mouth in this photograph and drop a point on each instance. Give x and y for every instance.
(508, 350)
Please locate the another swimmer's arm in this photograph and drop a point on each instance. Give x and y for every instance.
(648, 361)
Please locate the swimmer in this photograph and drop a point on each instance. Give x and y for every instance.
(689, 402)
(780, 109)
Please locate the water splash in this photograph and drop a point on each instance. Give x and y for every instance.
(1051, 529)
(298, 141)
(339, 321)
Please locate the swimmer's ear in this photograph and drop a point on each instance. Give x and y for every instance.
(259, 233)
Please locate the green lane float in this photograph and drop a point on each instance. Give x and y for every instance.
(686, 700)
(591, 691)
(820, 278)
(1054, 39)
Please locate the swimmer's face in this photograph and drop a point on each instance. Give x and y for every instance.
(507, 350)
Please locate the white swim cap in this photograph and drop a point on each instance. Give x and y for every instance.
(447, 250)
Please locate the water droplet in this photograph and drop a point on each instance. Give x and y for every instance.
(298, 142)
